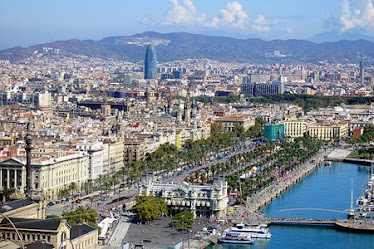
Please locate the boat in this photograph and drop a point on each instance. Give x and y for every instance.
(260, 232)
(235, 238)
(328, 163)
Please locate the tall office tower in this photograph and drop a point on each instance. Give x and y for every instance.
(362, 72)
(150, 63)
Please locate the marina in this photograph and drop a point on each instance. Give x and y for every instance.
(308, 210)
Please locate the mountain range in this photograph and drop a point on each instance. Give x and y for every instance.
(177, 46)
(335, 36)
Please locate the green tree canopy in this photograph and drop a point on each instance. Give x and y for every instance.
(81, 215)
(183, 220)
(149, 208)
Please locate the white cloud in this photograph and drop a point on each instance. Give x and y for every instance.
(184, 13)
(234, 15)
(261, 24)
(214, 23)
(289, 31)
(360, 17)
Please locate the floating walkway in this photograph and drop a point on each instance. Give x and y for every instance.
(356, 226)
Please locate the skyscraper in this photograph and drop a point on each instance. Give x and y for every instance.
(150, 63)
(362, 72)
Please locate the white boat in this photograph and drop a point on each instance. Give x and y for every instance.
(235, 238)
(260, 231)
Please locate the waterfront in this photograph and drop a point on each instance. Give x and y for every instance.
(327, 188)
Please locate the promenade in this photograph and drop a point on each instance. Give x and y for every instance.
(339, 154)
(268, 194)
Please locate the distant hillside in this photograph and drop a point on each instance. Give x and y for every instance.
(175, 46)
(336, 36)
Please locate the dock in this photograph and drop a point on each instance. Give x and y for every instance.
(351, 226)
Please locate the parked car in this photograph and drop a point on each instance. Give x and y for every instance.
(50, 204)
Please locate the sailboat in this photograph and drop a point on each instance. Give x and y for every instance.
(351, 214)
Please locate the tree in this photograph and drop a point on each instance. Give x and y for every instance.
(81, 215)
(73, 187)
(63, 193)
(7, 192)
(183, 220)
(149, 208)
(53, 217)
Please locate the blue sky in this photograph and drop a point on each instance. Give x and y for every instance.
(27, 22)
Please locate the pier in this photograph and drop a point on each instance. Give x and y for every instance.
(300, 222)
(352, 226)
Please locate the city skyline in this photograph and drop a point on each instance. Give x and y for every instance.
(26, 23)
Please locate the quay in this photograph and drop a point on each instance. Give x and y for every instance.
(273, 191)
(352, 226)
(364, 162)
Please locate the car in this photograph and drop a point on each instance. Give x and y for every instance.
(50, 204)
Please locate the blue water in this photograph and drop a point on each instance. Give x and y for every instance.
(327, 188)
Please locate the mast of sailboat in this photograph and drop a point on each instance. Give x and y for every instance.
(351, 194)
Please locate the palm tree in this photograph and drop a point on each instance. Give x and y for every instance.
(72, 188)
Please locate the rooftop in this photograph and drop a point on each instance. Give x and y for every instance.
(33, 224)
(38, 245)
(12, 205)
(79, 230)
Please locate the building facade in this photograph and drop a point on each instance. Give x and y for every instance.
(328, 131)
(134, 150)
(294, 128)
(95, 154)
(201, 200)
(228, 123)
(24, 208)
(113, 157)
(51, 232)
(49, 175)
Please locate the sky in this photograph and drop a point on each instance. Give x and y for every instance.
(28, 22)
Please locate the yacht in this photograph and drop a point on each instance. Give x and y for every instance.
(235, 238)
(260, 231)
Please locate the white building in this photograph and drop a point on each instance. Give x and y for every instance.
(201, 200)
(49, 175)
(96, 155)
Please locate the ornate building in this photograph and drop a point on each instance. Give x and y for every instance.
(201, 200)
(48, 175)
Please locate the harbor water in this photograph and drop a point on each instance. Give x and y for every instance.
(328, 189)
